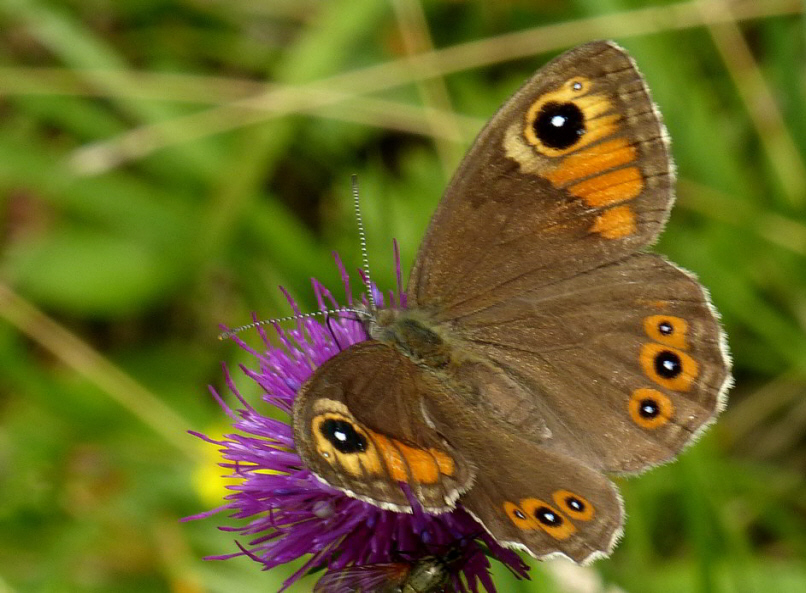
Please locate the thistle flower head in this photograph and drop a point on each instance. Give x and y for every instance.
(288, 512)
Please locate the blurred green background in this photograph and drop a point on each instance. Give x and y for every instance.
(165, 164)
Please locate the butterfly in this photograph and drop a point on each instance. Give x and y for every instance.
(428, 574)
(542, 348)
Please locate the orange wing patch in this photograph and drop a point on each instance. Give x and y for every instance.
(609, 188)
(395, 463)
(358, 451)
(425, 465)
(572, 137)
(592, 161)
(615, 223)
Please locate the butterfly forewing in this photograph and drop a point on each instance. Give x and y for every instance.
(532, 204)
(359, 425)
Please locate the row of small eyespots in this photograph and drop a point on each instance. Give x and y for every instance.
(664, 362)
(533, 513)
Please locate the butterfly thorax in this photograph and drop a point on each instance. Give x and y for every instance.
(471, 380)
(413, 334)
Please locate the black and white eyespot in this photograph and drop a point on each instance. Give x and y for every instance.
(559, 125)
(343, 436)
(668, 364)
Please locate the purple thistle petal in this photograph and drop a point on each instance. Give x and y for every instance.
(289, 512)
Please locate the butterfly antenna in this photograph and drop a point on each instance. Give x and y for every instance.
(362, 238)
(231, 332)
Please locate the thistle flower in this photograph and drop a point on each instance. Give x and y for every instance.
(289, 512)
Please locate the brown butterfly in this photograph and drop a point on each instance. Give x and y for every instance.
(542, 348)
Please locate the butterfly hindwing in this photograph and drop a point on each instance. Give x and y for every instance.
(534, 497)
(634, 344)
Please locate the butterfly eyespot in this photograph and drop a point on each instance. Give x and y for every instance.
(343, 436)
(559, 125)
(562, 122)
(574, 505)
(668, 364)
(668, 330)
(548, 518)
(578, 85)
(519, 517)
(649, 408)
(352, 448)
(669, 367)
(345, 445)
